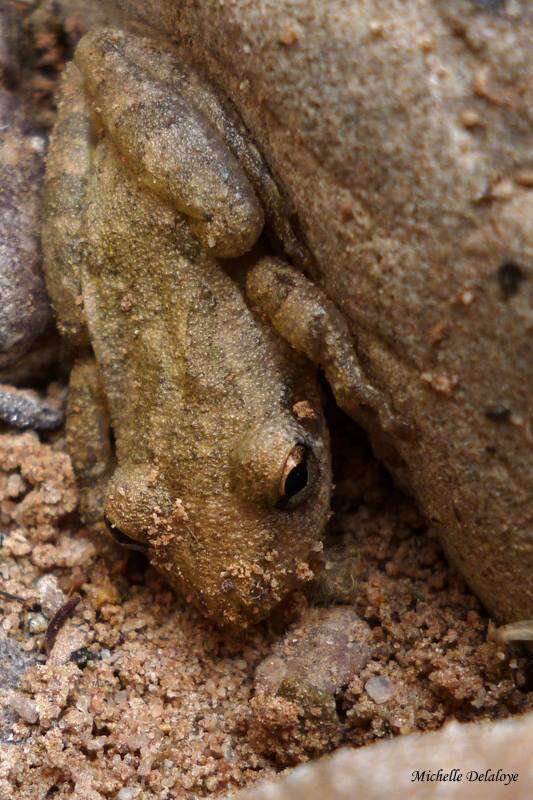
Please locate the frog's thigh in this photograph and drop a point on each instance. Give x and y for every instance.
(89, 437)
(167, 142)
(312, 324)
(64, 205)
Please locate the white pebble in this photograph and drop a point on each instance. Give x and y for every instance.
(17, 544)
(37, 623)
(128, 793)
(379, 688)
(50, 596)
(16, 485)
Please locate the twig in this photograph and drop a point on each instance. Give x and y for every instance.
(57, 622)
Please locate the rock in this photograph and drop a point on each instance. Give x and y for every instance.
(400, 135)
(325, 649)
(23, 408)
(128, 793)
(51, 597)
(17, 544)
(24, 707)
(492, 759)
(14, 662)
(298, 688)
(27, 344)
(37, 623)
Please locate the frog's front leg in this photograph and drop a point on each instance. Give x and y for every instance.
(124, 495)
(303, 315)
(89, 437)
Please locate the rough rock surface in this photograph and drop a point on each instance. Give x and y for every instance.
(25, 314)
(386, 770)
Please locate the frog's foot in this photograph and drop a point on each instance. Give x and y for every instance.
(21, 408)
(300, 686)
(89, 437)
(312, 324)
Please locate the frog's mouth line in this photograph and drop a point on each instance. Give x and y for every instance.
(123, 539)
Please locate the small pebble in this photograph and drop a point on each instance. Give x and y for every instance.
(24, 707)
(21, 408)
(289, 35)
(471, 119)
(304, 410)
(503, 189)
(128, 793)
(465, 297)
(379, 688)
(16, 485)
(17, 544)
(442, 384)
(37, 623)
(50, 596)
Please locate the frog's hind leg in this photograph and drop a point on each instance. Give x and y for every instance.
(303, 315)
(168, 143)
(89, 438)
(67, 171)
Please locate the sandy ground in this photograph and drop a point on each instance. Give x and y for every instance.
(138, 697)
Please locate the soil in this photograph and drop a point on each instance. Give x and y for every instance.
(138, 697)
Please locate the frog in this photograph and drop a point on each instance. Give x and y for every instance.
(195, 417)
(415, 228)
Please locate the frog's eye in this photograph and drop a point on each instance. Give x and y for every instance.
(296, 477)
(122, 539)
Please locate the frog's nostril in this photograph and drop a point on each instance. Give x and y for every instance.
(122, 538)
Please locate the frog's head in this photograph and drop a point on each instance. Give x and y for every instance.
(244, 532)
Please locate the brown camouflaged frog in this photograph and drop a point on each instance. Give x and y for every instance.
(195, 428)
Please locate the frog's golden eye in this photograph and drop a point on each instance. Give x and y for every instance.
(122, 539)
(296, 477)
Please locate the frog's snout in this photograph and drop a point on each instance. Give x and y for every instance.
(133, 496)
